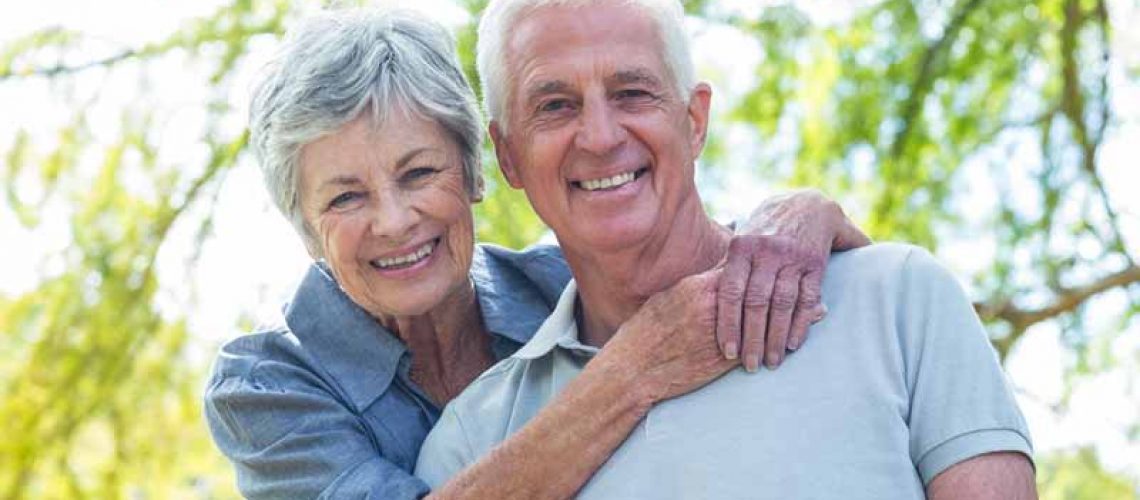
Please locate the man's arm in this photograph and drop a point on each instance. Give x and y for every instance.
(997, 476)
(968, 437)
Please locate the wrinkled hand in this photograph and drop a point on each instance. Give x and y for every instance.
(769, 293)
(670, 339)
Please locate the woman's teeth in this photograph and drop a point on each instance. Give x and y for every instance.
(406, 260)
(609, 182)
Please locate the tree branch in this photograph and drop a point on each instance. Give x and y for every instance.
(1067, 301)
(1073, 106)
(928, 70)
(53, 71)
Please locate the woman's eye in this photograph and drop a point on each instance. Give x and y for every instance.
(344, 199)
(420, 173)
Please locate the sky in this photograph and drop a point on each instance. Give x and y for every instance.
(249, 273)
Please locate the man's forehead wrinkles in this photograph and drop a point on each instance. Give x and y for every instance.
(639, 75)
(621, 76)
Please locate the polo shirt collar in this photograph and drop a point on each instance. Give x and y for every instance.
(559, 330)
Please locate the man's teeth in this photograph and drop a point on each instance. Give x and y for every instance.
(609, 182)
(420, 254)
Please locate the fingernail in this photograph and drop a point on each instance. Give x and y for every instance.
(752, 363)
(793, 344)
(821, 312)
(730, 350)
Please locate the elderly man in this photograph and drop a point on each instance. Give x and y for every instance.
(898, 394)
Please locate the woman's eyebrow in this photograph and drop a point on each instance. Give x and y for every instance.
(340, 180)
(410, 155)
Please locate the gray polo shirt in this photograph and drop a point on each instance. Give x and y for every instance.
(896, 384)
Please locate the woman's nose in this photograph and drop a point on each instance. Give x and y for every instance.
(393, 215)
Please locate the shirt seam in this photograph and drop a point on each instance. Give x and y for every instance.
(469, 452)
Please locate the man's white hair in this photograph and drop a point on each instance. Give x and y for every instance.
(501, 16)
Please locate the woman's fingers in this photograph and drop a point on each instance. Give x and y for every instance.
(785, 298)
(767, 297)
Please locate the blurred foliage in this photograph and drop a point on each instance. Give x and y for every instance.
(1075, 475)
(885, 110)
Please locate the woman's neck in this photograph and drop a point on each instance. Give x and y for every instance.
(449, 344)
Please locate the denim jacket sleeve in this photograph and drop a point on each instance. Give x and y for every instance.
(290, 434)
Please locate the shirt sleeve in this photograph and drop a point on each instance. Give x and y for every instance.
(961, 404)
(289, 437)
(446, 451)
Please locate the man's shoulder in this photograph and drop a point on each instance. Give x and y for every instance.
(884, 264)
(889, 254)
(493, 393)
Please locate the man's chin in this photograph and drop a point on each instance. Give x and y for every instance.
(610, 236)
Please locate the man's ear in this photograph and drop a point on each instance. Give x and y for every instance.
(503, 155)
(700, 101)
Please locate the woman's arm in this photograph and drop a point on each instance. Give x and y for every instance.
(289, 434)
(770, 293)
(667, 349)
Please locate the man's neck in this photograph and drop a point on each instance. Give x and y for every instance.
(612, 286)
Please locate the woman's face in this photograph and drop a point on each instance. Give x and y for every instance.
(391, 212)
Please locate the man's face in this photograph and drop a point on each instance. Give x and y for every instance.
(598, 136)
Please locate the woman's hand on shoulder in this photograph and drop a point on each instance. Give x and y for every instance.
(669, 343)
(770, 290)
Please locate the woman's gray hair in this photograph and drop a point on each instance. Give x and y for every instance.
(338, 63)
(501, 17)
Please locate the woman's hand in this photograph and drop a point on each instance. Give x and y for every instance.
(769, 293)
(669, 343)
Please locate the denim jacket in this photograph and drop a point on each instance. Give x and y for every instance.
(323, 406)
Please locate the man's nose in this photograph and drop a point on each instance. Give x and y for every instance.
(599, 132)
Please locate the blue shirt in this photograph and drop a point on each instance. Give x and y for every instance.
(323, 405)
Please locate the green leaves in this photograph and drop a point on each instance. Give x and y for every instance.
(901, 110)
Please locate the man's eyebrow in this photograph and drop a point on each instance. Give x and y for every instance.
(545, 87)
(634, 76)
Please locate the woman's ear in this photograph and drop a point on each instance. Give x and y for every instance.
(478, 189)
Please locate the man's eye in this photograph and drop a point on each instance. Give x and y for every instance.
(554, 106)
(344, 199)
(633, 94)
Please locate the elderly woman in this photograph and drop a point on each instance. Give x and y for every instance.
(369, 140)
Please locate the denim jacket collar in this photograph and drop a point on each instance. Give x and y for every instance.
(348, 342)
(515, 296)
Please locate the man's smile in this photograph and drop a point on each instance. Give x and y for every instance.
(611, 182)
